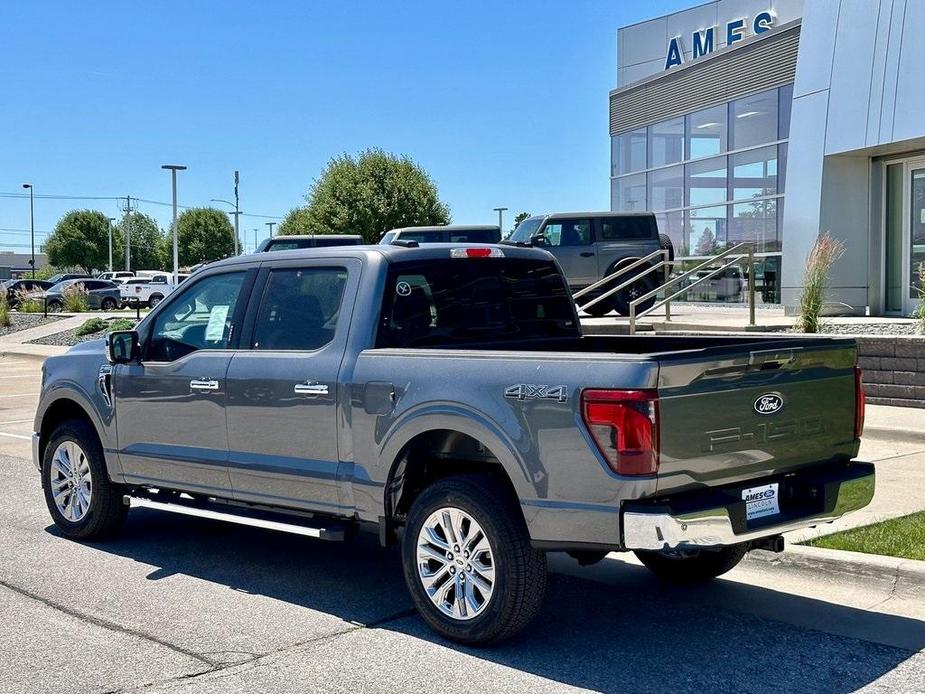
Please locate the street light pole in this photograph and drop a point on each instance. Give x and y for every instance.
(173, 168)
(31, 222)
(237, 211)
(500, 211)
(270, 224)
(111, 220)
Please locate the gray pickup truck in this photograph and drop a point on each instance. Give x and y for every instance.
(445, 398)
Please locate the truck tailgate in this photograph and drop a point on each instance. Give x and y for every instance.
(729, 415)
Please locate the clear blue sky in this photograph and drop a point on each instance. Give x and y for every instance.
(503, 103)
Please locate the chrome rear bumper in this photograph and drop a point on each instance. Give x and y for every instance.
(661, 527)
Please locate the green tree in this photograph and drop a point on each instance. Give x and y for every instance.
(368, 195)
(204, 234)
(80, 239)
(147, 240)
(519, 218)
(296, 222)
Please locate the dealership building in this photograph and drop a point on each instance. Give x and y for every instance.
(773, 121)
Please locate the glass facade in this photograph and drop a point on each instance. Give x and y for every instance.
(714, 178)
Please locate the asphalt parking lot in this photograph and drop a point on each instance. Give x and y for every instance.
(183, 604)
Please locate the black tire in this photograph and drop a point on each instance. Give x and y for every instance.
(694, 566)
(622, 299)
(55, 307)
(519, 569)
(108, 304)
(664, 241)
(599, 309)
(106, 511)
(155, 300)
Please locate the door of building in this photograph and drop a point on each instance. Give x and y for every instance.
(904, 235)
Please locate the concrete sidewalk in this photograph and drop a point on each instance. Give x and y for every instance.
(19, 343)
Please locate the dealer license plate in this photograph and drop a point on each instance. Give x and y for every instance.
(761, 501)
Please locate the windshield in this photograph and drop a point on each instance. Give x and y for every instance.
(463, 301)
(61, 286)
(6, 284)
(525, 230)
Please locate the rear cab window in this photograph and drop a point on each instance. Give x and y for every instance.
(454, 302)
(629, 228)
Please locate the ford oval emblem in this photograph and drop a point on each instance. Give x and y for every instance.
(769, 403)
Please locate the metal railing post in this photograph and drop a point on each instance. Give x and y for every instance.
(668, 262)
(751, 286)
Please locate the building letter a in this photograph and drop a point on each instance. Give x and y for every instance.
(675, 56)
(703, 42)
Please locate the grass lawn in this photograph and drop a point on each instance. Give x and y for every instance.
(898, 537)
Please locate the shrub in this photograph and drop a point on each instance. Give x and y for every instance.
(92, 325)
(75, 298)
(26, 303)
(919, 311)
(122, 324)
(4, 310)
(825, 253)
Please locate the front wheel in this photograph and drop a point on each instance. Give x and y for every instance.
(108, 304)
(693, 566)
(82, 501)
(468, 562)
(55, 307)
(155, 300)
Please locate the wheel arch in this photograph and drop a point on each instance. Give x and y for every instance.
(429, 448)
(67, 406)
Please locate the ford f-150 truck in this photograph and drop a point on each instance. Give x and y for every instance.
(445, 397)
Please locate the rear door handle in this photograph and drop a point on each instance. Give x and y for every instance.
(203, 385)
(586, 254)
(310, 388)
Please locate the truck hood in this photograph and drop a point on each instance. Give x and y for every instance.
(90, 346)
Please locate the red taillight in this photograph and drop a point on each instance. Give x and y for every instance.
(860, 403)
(624, 425)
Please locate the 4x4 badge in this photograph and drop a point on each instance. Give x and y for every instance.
(530, 391)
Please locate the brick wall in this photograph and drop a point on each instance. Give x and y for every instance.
(894, 370)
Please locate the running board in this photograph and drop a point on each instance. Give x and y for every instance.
(335, 534)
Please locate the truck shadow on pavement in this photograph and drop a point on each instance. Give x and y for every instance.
(622, 631)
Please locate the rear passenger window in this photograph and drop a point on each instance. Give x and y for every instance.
(568, 232)
(626, 228)
(299, 309)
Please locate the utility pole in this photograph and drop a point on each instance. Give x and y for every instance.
(237, 212)
(111, 220)
(270, 224)
(500, 211)
(255, 239)
(128, 232)
(173, 168)
(31, 223)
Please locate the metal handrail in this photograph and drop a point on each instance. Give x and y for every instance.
(631, 280)
(736, 255)
(622, 271)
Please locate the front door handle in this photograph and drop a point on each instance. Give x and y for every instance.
(310, 388)
(586, 254)
(203, 385)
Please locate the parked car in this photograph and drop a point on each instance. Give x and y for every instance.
(61, 276)
(15, 289)
(450, 233)
(101, 294)
(591, 245)
(118, 276)
(445, 395)
(147, 290)
(289, 242)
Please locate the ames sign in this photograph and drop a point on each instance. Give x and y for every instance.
(703, 41)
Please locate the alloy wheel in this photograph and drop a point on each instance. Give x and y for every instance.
(70, 480)
(455, 563)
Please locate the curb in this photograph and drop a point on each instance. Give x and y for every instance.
(906, 575)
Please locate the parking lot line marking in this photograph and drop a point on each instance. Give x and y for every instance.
(15, 421)
(16, 436)
(18, 395)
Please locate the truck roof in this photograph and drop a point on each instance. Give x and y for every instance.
(570, 215)
(392, 254)
(450, 227)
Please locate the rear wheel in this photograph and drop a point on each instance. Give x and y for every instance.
(108, 304)
(55, 307)
(82, 501)
(623, 298)
(468, 562)
(602, 308)
(155, 300)
(693, 566)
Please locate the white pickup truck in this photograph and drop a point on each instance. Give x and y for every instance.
(148, 290)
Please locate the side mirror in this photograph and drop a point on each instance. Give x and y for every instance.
(122, 347)
(538, 240)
